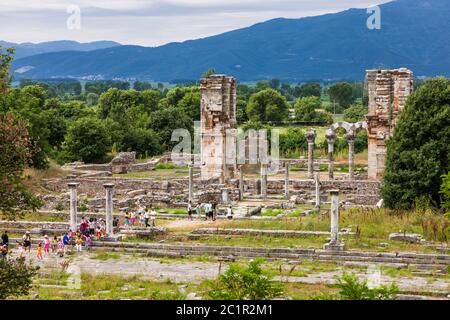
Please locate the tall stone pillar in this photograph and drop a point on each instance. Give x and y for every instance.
(311, 137)
(331, 139)
(286, 182)
(191, 183)
(218, 128)
(388, 91)
(241, 183)
(109, 208)
(317, 185)
(335, 244)
(264, 181)
(73, 205)
(351, 154)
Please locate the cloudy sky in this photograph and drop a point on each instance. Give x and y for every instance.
(149, 22)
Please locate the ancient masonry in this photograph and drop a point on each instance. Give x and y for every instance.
(218, 128)
(388, 91)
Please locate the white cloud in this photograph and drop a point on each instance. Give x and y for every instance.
(150, 22)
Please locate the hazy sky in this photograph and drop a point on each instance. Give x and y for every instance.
(150, 22)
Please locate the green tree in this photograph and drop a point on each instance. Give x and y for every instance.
(250, 283)
(143, 141)
(5, 60)
(445, 191)
(267, 105)
(88, 140)
(16, 277)
(312, 89)
(15, 155)
(208, 73)
(355, 113)
(418, 153)
(190, 104)
(342, 93)
(292, 140)
(166, 120)
(306, 110)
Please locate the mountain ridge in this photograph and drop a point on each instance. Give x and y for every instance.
(26, 49)
(328, 47)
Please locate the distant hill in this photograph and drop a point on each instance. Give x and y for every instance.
(28, 49)
(414, 34)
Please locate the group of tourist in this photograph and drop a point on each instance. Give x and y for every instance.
(210, 210)
(145, 217)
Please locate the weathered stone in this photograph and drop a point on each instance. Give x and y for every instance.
(407, 237)
(218, 124)
(135, 193)
(388, 91)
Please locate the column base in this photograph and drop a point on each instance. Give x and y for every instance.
(334, 246)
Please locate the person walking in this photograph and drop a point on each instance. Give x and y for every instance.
(39, 251)
(146, 217)
(5, 238)
(27, 241)
(54, 244)
(79, 244)
(87, 243)
(190, 210)
(65, 241)
(198, 210)
(46, 244)
(229, 213)
(60, 248)
(214, 211)
(153, 217)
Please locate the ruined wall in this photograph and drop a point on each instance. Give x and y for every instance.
(218, 125)
(388, 91)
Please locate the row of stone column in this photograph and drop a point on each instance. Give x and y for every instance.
(331, 140)
(109, 187)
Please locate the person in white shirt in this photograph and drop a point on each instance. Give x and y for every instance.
(229, 213)
(146, 217)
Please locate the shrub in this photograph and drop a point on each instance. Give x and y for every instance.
(354, 289)
(250, 283)
(15, 277)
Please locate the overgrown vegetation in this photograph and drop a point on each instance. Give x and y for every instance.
(351, 288)
(418, 154)
(16, 276)
(245, 283)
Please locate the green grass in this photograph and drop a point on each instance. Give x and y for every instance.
(112, 287)
(104, 256)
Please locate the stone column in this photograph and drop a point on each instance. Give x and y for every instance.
(73, 205)
(241, 183)
(317, 183)
(334, 244)
(331, 139)
(191, 183)
(263, 181)
(311, 137)
(286, 182)
(351, 154)
(109, 208)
